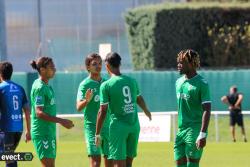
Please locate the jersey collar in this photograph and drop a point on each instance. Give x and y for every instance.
(95, 80)
(191, 78)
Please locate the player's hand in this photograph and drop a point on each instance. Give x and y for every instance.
(237, 107)
(98, 140)
(148, 114)
(201, 143)
(89, 95)
(27, 136)
(67, 123)
(230, 107)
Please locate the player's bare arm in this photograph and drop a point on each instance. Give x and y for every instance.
(140, 101)
(201, 140)
(99, 122)
(26, 111)
(64, 122)
(225, 100)
(238, 102)
(83, 103)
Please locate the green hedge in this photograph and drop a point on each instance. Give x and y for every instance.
(218, 0)
(156, 33)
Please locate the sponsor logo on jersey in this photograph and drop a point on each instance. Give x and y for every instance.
(129, 108)
(183, 96)
(16, 117)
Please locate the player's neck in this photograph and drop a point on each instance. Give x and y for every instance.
(44, 79)
(96, 77)
(116, 72)
(191, 74)
(2, 79)
(5, 80)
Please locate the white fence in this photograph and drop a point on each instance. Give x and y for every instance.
(162, 129)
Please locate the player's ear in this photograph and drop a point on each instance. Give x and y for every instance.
(87, 68)
(108, 67)
(190, 66)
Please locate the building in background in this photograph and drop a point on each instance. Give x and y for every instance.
(65, 30)
(3, 47)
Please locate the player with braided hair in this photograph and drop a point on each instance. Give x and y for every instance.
(194, 107)
(190, 56)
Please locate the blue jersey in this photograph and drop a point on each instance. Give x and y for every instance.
(12, 101)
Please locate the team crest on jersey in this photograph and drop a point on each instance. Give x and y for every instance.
(13, 88)
(52, 101)
(191, 87)
(204, 80)
(97, 98)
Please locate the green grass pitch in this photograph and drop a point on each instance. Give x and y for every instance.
(71, 149)
(73, 154)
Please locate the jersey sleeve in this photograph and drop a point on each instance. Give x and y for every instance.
(81, 92)
(104, 96)
(205, 93)
(40, 97)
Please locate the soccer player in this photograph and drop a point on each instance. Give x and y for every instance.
(194, 109)
(43, 118)
(119, 96)
(234, 100)
(88, 100)
(13, 102)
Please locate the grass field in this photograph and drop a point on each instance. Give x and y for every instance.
(71, 150)
(73, 154)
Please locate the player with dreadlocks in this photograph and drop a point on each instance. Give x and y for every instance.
(194, 106)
